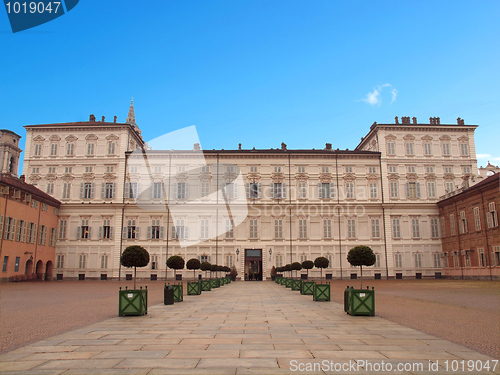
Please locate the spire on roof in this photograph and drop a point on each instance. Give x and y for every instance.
(131, 115)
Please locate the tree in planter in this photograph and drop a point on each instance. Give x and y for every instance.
(220, 269)
(307, 265)
(288, 268)
(227, 270)
(214, 268)
(296, 266)
(193, 264)
(205, 266)
(134, 256)
(233, 274)
(273, 272)
(361, 256)
(175, 262)
(321, 262)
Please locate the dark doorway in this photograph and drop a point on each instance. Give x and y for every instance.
(253, 264)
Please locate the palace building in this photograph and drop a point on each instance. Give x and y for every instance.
(249, 208)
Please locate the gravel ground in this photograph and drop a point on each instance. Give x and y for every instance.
(464, 312)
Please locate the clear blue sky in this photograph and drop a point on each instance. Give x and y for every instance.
(259, 72)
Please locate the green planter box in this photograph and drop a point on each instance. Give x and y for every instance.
(228, 280)
(194, 288)
(206, 285)
(215, 283)
(360, 301)
(295, 284)
(178, 293)
(288, 283)
(321, 292)
(307, 288)
(133, 302)
(222, 281)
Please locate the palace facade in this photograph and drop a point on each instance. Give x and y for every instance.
(249, 208)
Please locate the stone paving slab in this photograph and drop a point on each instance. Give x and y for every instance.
(241, 328)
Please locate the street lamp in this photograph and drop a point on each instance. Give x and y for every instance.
(270, 253)
(237, 253)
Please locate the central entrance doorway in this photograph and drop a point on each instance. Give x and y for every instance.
(253, 264)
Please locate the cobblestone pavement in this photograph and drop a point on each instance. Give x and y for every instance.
(244, 328)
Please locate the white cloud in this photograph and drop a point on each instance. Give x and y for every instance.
(375, 97)
(487, 157)
(483, 156)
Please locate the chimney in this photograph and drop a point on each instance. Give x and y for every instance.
(396, 118)
(197, 147)
(114, 120)
(414, 120)
(283, 146)
(328, 146)
(102, 118)
(239, 146)
(22, 178)
(92, 118)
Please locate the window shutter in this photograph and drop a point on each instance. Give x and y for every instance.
(320, 192)
(1, 226)
(113, 195)
(13, 230)
(148, 234)
(78, 232)
(283, 193)
(175, 192)
(103, 190)
(23, 234)
(124, 232)
(34, 234)
(332, 191)
(186, 233)
(137, 232)
(174, 233)
(247, 189)
(162, 232)
(127, 190)
(100, 232)
(90, 233)
(418, 189)
(187, 190)
(81, 190)
(209, 259)
(259, 191)
(407, 190)
(271, 193)
(110, 232)
(92, 190)
(151, 187)
(235, 190)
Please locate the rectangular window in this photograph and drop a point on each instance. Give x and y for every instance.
(229, 229)
(110, 169)
(31, 233)
(254, 169)
(278, 229)
(375, 228)
(62, 228)
(301, 169)
(229, 261)
(179, 231)
(133, 169)
(52, 170)
(205, 188)
(477, 219)
(398, 260)
(373, 190)
(434, 227)
(230, 190)
(279, 260)
(35, 170)
(496, 256)
(492, 215)
(415, 227)
(431, 189)
(109, 190)
(131, 229)
(418, 260)
(253, 229)
(429, 169)
(60, 261)
(449, 187)
(427, 149)
(348, 169)
(16, 265)
(325, 169)
(158, 190)
(391, 148)
(10, 227)
(88, 190)
(466, 170)
(409, 148)
(302, 190)
(111, 148)
(467, 258)
(278, 190)
(446, 149)
(104, 261)
(396, 227)
(133, 191)
(325, 191)
(351, 228)
(70, 149)
(448, 170)
(452, 225)
(463, 223)
(372, 169)
(443, 227)
(411, 169)
(52, 238)
(413, 190)
(157, 169)
(38, 149)
(43, 235)
(464, 149)
(393, 169)
(482, 257)
(106, 229)
(204, 229)
(303, 228)
(82, 260)
(277, 169)
(53, 149)
(181, 190)
(154, 262)
(327, 228)
(5, 262)
(349, 190)
(378, 259)
(437, 260)
(21, 231)
(68, 170)
(85, 229)
(66, 190)
(90, 149)
(394, 189)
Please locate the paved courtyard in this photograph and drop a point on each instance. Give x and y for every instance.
(243, 328)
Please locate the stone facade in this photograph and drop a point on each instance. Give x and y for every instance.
(297, 204)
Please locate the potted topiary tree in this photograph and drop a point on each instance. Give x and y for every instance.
(233, 274)
(307, 287)
(193, 288)
(215, 281)
(296, 266)
(321, 292)
(359, 301)
(134, 302)
(176, 262)
(273, 273)
(206, 285)
(288, 268)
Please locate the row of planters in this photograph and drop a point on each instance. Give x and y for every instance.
(356, 301)
(135, 301)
